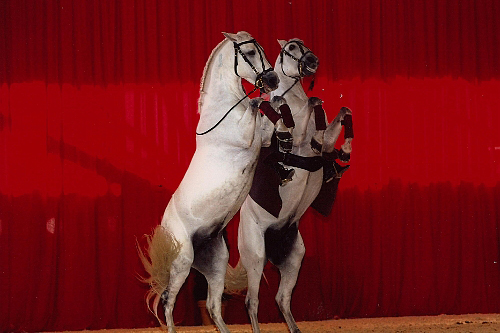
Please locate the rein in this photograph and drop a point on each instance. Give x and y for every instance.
(259, 84)
(225, 115)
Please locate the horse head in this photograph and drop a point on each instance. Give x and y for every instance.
(250, 62)
(296, 59)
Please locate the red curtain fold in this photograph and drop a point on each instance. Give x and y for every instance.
(98, 113)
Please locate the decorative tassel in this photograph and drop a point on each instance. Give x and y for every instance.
(311, 85)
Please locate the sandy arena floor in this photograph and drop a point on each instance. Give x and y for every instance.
(443, 323)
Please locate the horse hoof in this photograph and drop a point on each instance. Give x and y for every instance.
(314, 101)
(255, 102)
(345, 110)
(277, 101)
(343, 156)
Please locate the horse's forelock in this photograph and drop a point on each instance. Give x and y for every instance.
(243, 36)
(296, 40)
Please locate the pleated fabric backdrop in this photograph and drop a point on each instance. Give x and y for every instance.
(98, 110)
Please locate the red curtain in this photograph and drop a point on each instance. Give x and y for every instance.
(98, 104)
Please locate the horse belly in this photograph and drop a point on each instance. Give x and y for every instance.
(298, 194)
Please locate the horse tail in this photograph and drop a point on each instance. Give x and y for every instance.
(236, 280)
(162, 248)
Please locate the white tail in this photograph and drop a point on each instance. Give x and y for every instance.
(162, 249)
(236, 280)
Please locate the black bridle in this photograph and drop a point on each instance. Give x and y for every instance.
(259, 83)
(300, 63)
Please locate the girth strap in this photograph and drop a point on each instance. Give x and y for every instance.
(310, 164)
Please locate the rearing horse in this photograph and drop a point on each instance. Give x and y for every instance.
(273, 234)
(218, 178)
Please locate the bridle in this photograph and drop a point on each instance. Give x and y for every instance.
(259, 83)
(300, 63)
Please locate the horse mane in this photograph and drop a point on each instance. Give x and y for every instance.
(205, 72)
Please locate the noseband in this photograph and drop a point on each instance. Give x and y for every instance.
(258, 81)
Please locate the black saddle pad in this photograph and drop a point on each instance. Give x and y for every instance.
(323, 203)
(266, 182)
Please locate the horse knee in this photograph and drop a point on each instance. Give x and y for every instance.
(252, 304)
(280, 298)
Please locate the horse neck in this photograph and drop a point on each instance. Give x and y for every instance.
(297, 100)
(296, 92)
(221, 87)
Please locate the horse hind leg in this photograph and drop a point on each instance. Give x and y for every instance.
(211, 258)
(254, 267)
(178, 274)
(251, 246)
(289, 271)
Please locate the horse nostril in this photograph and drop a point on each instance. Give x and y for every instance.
(272, 80)
(311, 60)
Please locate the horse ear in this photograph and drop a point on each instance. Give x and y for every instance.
(282, 42)
(231, 37)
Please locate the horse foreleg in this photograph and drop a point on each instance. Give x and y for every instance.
(331, 135)
(178, 274)
(289, 271)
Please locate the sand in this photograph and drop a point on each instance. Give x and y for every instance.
(442, 323)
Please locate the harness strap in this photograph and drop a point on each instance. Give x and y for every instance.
(296, 80)
(310, 164)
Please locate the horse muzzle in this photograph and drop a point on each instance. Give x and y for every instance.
(309, 64)
(267, 81)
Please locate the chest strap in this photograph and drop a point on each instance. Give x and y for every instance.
(310, 164)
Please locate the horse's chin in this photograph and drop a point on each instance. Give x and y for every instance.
(308, 71)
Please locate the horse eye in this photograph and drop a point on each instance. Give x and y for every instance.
(291, 47)
(251, 52)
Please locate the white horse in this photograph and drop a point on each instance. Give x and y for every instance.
(217, 181)
(274, 236)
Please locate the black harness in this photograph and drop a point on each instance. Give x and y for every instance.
(259, 83)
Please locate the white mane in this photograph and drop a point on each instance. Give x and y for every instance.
(206, 70)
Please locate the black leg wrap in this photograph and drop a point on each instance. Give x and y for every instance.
(316, 146)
